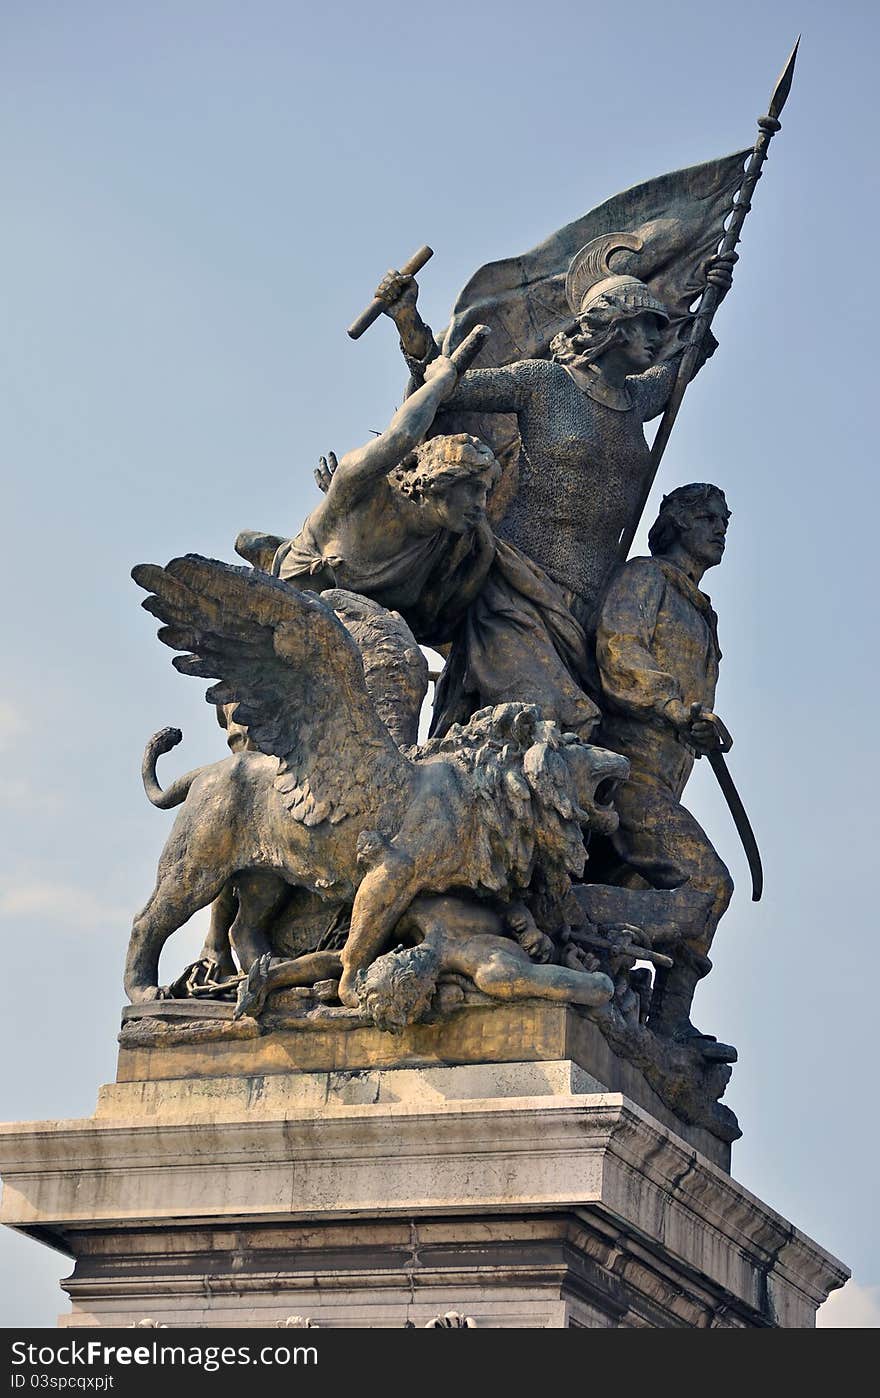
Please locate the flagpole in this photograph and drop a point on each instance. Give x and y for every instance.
(767, 127)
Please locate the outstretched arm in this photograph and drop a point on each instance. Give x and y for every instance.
(400, 294)
(481, 390)
(503, 390)
(358, 470)
(651, 389)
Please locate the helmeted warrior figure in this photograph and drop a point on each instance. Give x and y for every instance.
(657, 652)
(580, 413)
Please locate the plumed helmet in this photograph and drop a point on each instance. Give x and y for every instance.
(590, 285)
(625, 295)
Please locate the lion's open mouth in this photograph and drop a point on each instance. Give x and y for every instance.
(604, 793)
(603, 816)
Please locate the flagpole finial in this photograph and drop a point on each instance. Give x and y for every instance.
(767, 127)
(783, 85)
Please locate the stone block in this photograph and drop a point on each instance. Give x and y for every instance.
(520, 1194)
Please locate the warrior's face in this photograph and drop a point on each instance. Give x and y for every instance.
(704, 531)
(642, 336)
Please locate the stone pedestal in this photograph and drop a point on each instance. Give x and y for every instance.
(523, 1194)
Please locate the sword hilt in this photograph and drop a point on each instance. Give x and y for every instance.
(725, 741)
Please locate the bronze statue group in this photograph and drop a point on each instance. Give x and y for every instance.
(400, 879)
(404, 522)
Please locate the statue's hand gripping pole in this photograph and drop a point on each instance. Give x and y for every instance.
(372, 312)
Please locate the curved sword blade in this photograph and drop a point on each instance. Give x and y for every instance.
(740, 820)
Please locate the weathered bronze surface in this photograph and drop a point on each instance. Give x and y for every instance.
(404, 522)
(658, 653)
(377, 900)
(588, 331)
(341, 810)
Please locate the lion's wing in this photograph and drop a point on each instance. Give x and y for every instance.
(395, 670)
(294, 672)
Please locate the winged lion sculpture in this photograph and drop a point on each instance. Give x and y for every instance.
(329, 800)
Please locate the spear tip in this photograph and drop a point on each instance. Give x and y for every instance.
(783, 86)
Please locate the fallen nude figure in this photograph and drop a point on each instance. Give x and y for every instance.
(448, 936)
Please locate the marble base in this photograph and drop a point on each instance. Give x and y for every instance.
(199, 1039)
(516, 1193)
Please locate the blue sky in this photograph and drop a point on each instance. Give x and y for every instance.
(198, 199)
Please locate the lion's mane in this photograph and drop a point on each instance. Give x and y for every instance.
(526, 816)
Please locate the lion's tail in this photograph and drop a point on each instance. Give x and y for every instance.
(164, 741)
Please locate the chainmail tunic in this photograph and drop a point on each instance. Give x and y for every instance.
(584, 469)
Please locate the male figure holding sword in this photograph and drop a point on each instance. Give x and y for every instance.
(657, 652)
